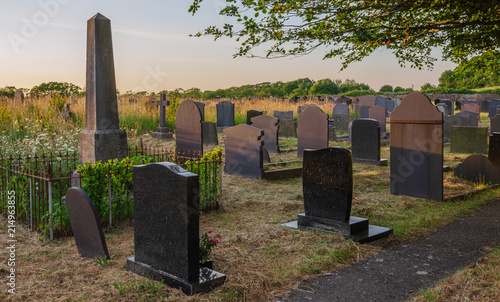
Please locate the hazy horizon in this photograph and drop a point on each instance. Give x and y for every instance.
(45, 41)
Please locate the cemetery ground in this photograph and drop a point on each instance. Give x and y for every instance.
(261, 258)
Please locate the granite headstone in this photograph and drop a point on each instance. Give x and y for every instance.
(270, 126)
(472, 140)
(341, 121)
(478, 168)
(283, 115)
(340, 109)
(312, 132)
(474, 117)
(244, 151)
(188, 128)
(225, 115)
(454, 120)
(365, 142)
(378, 113)
(252, 113)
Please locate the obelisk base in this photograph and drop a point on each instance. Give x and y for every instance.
(102, 145)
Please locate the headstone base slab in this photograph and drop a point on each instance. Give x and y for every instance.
(97, 145)
(209, 279)
(381, 162)
(358, 229)
(162, 133)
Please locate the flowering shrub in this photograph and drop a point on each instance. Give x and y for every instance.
(207, 242)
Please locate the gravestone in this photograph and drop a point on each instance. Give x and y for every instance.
(312, 132)
(472, 140)
(417, 148)
(449, 105)
(343, 100)
(478, 168)
(283, 115)
(332, 133)
(225, 115)
(495, 124)
(162, 132)
(67, 114)
(340, 109)
(364, 111)
(252, 113)
(471, 107)
(381, 101)
(244, 151)
(102, 139)
(454, 120)
(354, 107)
(492, 110)
(341, 121)
(367, 100)
(391, 104)
(270, 126)
(18, 97)
(287, 128)
(485, 106)
(166, 228)
(442, 108)
(378, 113)
(494, 149)
(188, 128)
(327, 191)
(365, 142)
(209, 130)
(85, 224)
(474, 117)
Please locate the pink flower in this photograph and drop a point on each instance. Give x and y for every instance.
(216, 241)
(219, 236)
(210, 240)
(210, 231)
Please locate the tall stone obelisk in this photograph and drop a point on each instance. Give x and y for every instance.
(102, 138)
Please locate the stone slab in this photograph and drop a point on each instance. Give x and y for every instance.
(478, 168)
(472, 140)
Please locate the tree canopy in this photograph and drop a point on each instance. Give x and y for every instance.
(352, 29)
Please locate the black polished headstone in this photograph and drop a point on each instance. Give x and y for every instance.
(495, 124)
(478, 168)
(85, 224)
(365, 140)
(474, 117)
(283, 115)
(225, 115)
(252, 113)
(417, 148)
(485, 106)
(312, 132)
(494, 149)
(270, 126)
(188, 128)
(209, 133)
(340, 109)
(492, 109)
(341, 121)
(244, 151)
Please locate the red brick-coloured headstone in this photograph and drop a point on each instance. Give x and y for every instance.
(270, 126)
(367, 100)
(188, 128)
(312, 132)
(378, 113)
(85, 224)
(471, 107)
(417, 148)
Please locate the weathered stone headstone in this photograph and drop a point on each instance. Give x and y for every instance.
(494, 149)
(367, 100)
(495, 124)
(244, 151)
(442, 108)
(18, 97)
(341, 121)
(381, 101)
(327, 190)
(270, 126)
(67, 114)
(252, 113)
(417, 148)
(343, 100)
(312, 132)
(449, 105)
(365, 140)
(474, 117)
(209, 133)
(225, 115)
(492, 110)
(166, 228)
(454, 120)
(287, 128)
(471, 107)
(340, 109)
(364, 111)
(188, 128)
(283, 115)
(472, 140)
(391, 105)
(332, 133)
(85, 224)
(478, 168)
(485, 106)
(378, 113)
(162, 132)
(102, 139)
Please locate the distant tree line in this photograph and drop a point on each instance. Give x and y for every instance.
(44, 89)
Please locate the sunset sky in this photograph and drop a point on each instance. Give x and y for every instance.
(43, 41)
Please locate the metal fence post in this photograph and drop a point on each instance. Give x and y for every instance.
(109, 192)
(50, 212)
(31, 204)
